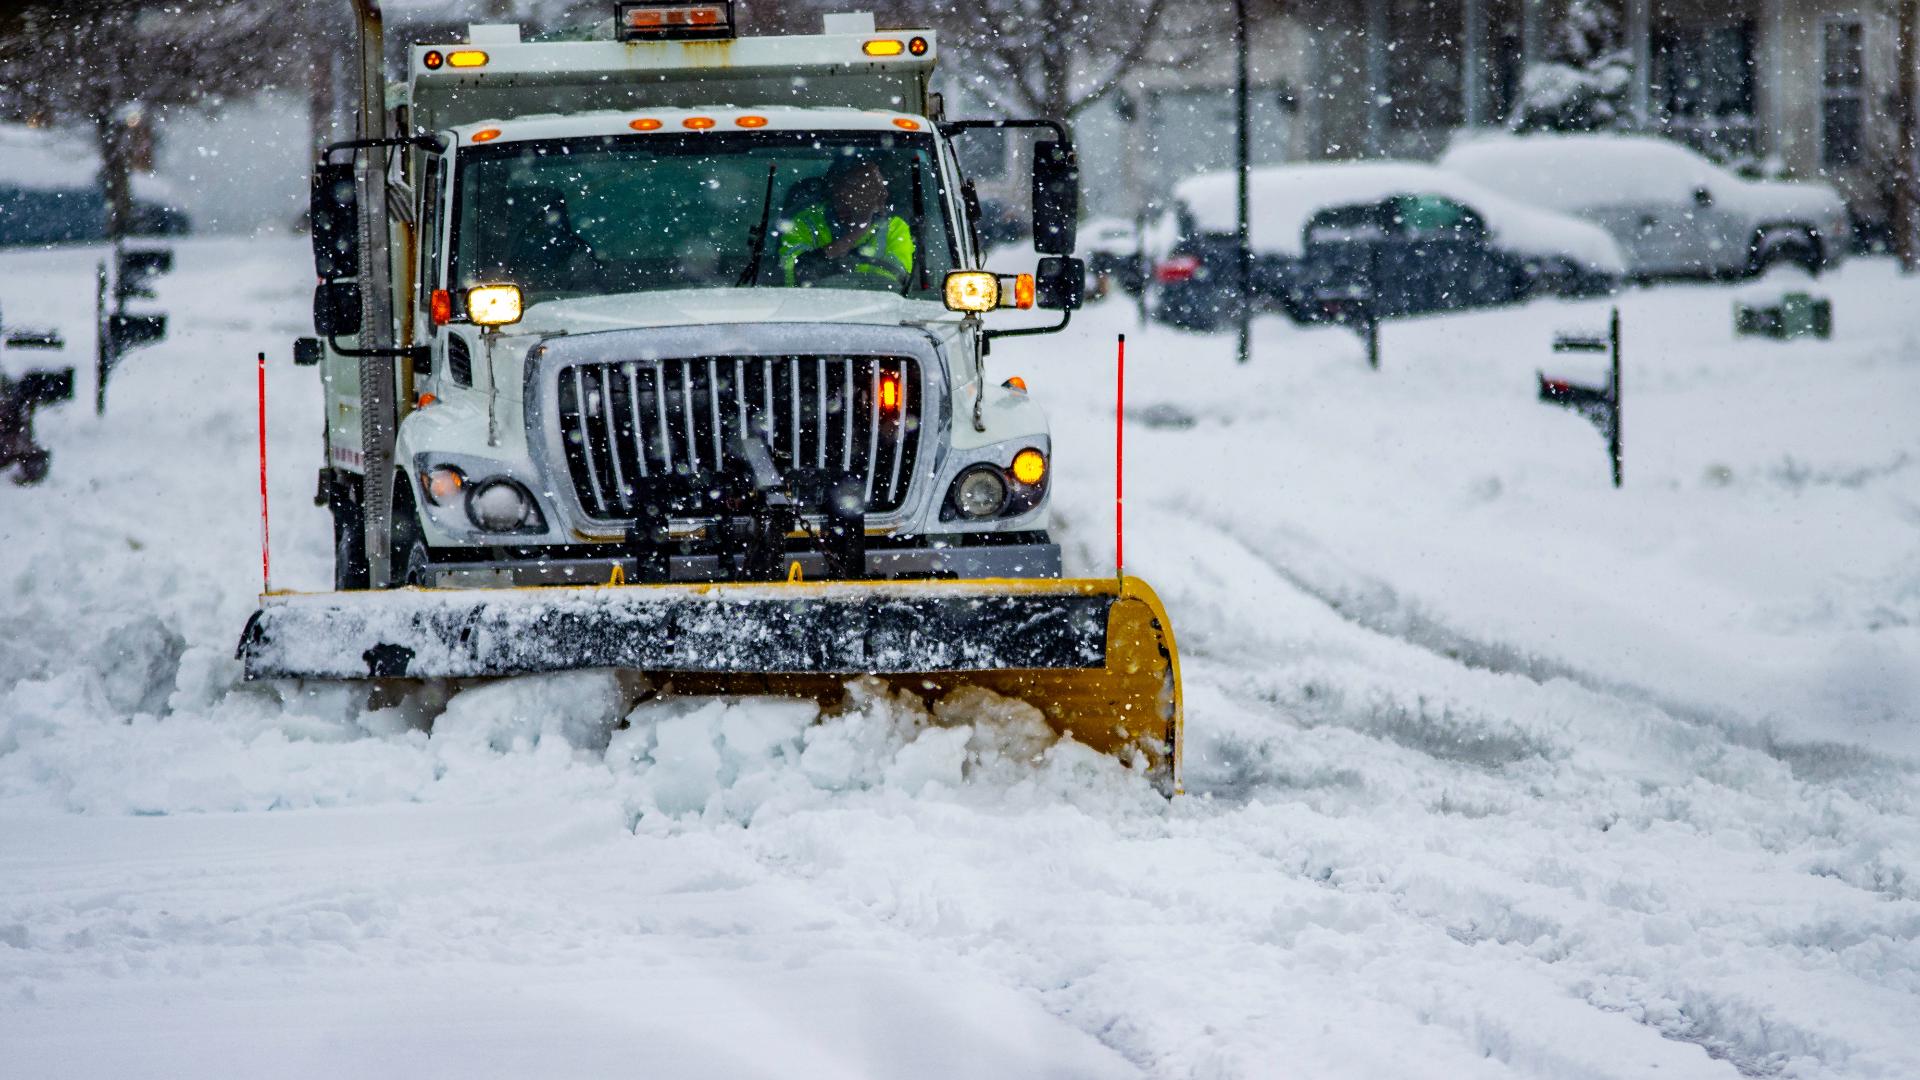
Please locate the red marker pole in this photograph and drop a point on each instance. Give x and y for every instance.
(266, 573)
(1120, 463)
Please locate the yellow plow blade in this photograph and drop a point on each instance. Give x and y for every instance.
(1095, 655)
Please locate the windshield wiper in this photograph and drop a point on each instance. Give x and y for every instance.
(751, 275)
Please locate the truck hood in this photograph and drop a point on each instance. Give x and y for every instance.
(684, 307)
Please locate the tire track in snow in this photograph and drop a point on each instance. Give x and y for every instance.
(1373, 604)
(1681, 1002)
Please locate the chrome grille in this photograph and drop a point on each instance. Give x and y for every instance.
(625, 420)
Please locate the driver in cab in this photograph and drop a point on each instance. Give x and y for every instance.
(850, 234)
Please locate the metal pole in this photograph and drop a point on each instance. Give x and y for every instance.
(1613, 387)
(1473, 29)
(1904, 178)
(1242, 163)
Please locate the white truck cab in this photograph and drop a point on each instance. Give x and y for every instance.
(676, 307)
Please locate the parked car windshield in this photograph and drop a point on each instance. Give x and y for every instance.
(619, 214)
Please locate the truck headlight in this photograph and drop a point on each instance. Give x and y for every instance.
(981, 492)
(494, 305)
(500, 505)
(972, 291)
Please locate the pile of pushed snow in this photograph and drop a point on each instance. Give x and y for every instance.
(112, 740)
(731, 758)
(1284, 198)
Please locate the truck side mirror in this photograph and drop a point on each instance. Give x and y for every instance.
(332, 213)
(1056, 197)
(1060, 283)
(336, 308)
(307, 351)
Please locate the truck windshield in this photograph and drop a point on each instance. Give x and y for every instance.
(621, 214)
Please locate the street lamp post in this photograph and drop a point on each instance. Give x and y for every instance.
(1241, 165)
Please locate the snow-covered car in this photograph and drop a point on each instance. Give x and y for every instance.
(50, 192)
(1111, 248)
(1674, 212)
(1193, 244)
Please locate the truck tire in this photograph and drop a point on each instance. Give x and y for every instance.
(408, 555)
(349, 554)
(1792, 245)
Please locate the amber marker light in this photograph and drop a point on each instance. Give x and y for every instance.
(440, 306)
(484, 135)
(1030, 466)
(494, 305)
(917, 46)
(906, 124)
(883, 47)
(1023, 291)
(750, 121)
(697, 123)
(1016, 383)
(466, 58)
(442, 482)
(972, 291)
(433, 59)
(889, 393)
(645, 123)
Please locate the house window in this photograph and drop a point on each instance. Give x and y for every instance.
(1699, 73)
(1842, 101)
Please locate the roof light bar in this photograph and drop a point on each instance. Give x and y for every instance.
(651, 20)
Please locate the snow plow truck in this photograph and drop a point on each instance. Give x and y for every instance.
(665, 349)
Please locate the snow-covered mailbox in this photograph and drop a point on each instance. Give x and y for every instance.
(119, 331)
(1600, 404)
(21, 393)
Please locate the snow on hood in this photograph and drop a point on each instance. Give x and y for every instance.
(1285, 197)
(1584, 172)
(681, 307)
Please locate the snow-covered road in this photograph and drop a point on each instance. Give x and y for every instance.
(1495, 771)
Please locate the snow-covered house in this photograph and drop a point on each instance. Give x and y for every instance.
(1803, 88)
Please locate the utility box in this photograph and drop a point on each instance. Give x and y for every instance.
(1793, 315)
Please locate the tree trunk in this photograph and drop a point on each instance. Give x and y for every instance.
(116, 173)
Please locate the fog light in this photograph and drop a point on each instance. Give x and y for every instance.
(981, 492)
(500, 505)
(441, 484)
(1029, 466)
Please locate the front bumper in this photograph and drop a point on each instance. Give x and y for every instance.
(1038, 559)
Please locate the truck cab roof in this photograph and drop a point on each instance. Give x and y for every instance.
(497, 76)
(674, 121)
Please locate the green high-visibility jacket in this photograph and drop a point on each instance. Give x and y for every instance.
(885, 252)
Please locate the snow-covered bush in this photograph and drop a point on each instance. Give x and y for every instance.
(1583, 83)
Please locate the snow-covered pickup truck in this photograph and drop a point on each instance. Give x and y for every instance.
(1675, 213)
